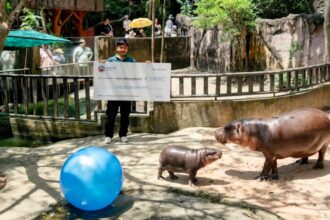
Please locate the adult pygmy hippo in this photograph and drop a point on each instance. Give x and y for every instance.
(185, 160)
(300, 133)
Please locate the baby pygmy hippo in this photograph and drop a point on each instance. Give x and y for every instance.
(185, 160)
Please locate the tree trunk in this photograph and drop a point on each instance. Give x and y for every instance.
(6, 21)
(4, 30)
(78, 22)
(327, 31)
(57, 27)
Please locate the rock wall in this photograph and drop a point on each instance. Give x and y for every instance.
(293, 41)
(318, 5)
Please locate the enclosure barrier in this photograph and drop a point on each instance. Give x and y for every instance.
(247, 84)
(69, 96)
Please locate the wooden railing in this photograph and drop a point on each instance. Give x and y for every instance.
(69, 69)
(51, 96)
(69, 96)
(244, 85)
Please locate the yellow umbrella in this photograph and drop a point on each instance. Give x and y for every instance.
(140, 23)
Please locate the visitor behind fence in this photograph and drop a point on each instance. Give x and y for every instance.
(112, 106)
(82, 55)
(130, 34)
(126, 23)
(158, 28)
(46, 57)
(58, 56)
(174, 32)
(168, 26)
(140, 33)
(106, 28)
(7, 59)
(46, 60)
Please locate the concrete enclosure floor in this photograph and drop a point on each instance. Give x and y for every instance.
(33, 175)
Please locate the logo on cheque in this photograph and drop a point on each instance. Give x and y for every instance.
(101, 69)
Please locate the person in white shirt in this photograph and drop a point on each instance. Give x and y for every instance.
(174, 32)
(126, 23)
(82, 55)
(7, 59)
(168, 26)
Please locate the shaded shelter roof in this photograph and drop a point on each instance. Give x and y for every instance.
(73, 5)
(29, 38)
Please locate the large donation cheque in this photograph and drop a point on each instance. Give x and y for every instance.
(132, 81)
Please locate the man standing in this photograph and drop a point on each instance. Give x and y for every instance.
(106, 28)
(169, 26)
(7, 59)
(126, 23)
(82, 55)
(113, 106)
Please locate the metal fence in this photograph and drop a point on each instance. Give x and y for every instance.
(68, 96)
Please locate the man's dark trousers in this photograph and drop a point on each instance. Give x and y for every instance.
(112, 110)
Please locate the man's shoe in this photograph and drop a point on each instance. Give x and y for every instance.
(107, 140)
(124, 139)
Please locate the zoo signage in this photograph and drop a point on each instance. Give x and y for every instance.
(132, 81)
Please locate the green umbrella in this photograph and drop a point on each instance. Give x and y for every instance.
(29, 38)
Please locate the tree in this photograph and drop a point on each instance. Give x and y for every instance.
(133, 8)
(7, 18)
(233, 15)
(186, 7)
(327, 31)
(30, 20)
(281, 8)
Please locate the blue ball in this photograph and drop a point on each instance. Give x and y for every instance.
(91, 178)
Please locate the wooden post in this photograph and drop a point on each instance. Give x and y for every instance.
(192, 45)
(327, 31)
(163, 33)
(153, 31)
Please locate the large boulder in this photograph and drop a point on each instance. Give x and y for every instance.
(292, 41)
(318, 6)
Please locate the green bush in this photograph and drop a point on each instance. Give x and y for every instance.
(281, 8)
(233, 15)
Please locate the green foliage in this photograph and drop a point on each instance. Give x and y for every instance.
(282, 8)
(186, 7)
(120, 8)
(9, 7)
(30, 21)
(294, 48)
(233, 15)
